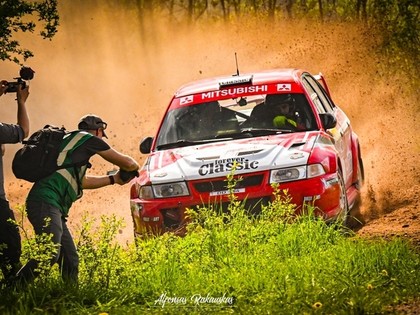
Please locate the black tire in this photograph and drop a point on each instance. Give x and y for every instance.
(360, 174)
(342, 217)
(355, 219)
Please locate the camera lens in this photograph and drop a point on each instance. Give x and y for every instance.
(26, 73)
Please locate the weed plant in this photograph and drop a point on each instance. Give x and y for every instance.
(228, 262)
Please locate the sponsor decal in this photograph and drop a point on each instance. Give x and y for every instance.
(236, 80)
(284, 87)
(227, 165)
(330, 182)
(226, 192)
(235, 91)
(296, 155)
(160, 174)
(186, 100)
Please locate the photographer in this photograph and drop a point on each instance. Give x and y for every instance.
(51, 198)
(10, 243)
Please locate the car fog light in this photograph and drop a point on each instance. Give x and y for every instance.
(151, 219)
(136, 209)
(311, 198)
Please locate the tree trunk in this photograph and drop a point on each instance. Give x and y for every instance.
(321, 10)
(271, 9)
(361, 11)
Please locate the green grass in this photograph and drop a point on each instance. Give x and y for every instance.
(271, 264)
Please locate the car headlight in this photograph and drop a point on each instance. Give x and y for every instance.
(296, 173)
(164, 191)
(287, 174)
(170, 190)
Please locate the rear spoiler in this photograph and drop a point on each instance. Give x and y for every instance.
(320, 78)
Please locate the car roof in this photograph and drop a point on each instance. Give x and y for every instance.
(260, 77)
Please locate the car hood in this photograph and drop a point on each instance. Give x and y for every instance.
(217, 159)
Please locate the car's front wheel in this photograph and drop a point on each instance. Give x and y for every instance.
(360, 174)
(343, 202)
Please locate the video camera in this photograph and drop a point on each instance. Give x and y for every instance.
(26, 73)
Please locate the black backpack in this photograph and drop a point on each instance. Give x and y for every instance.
(38, 156)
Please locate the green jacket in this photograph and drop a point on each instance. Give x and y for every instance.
(64, 186)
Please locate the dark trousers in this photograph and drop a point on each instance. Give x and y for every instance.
(66, 255)
(10, 242)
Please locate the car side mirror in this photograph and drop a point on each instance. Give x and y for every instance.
(146, 145)
(328, 121)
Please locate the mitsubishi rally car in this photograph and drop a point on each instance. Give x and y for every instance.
(223, 124)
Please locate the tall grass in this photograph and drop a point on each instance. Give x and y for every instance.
(229, 262)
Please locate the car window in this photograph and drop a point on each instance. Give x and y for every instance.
(298, 115)
(314, 97)
(322, 95)
(196, 122)
(232, 118)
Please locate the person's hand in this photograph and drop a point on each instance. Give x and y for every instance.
(126, 176)
(22, 94)
(3, 87)
(122, 177)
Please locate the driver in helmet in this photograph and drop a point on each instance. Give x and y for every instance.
(277, 111)
(282, 108)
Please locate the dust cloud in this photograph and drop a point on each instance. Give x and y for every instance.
(107, 61)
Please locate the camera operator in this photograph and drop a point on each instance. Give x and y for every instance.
(10, 242)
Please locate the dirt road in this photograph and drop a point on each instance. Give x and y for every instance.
(101, 62)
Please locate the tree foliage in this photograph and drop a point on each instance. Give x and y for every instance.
(17, 16)
(397, 21)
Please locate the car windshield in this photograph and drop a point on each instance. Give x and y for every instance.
(227, 119)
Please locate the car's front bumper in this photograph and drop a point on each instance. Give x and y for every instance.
(162, 215)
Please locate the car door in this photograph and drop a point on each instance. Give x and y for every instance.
(342, 132)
